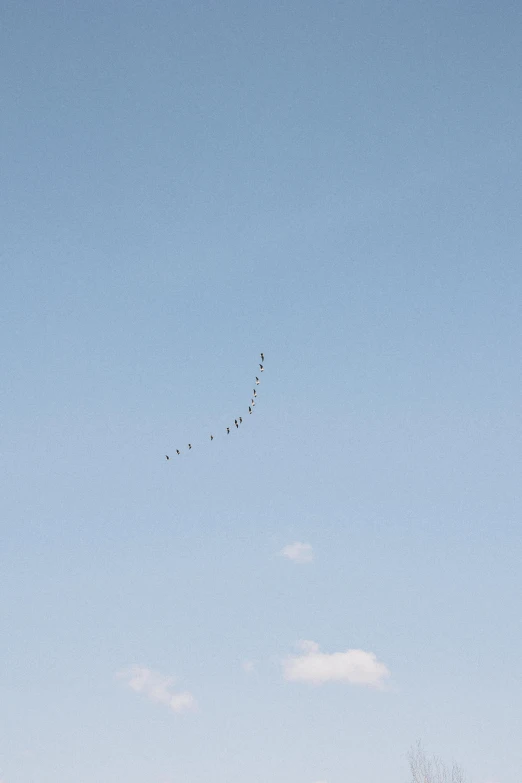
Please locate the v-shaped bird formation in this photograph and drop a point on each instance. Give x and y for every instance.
(239, 420)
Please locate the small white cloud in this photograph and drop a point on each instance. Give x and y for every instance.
(298, 552)
(356, 667)
(157, 687)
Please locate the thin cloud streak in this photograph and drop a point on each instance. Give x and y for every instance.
(157, 688)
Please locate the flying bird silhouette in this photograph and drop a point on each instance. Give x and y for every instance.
(239, 419)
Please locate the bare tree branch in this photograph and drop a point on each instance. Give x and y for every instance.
(424, 769)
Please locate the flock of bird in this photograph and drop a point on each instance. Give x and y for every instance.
(239, 420)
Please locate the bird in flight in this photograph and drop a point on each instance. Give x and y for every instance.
(239, 419)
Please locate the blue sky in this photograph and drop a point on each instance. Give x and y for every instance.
(184, 185)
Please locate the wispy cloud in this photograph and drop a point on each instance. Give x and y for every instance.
(356, 667)
(157, 687)
(298, 552)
